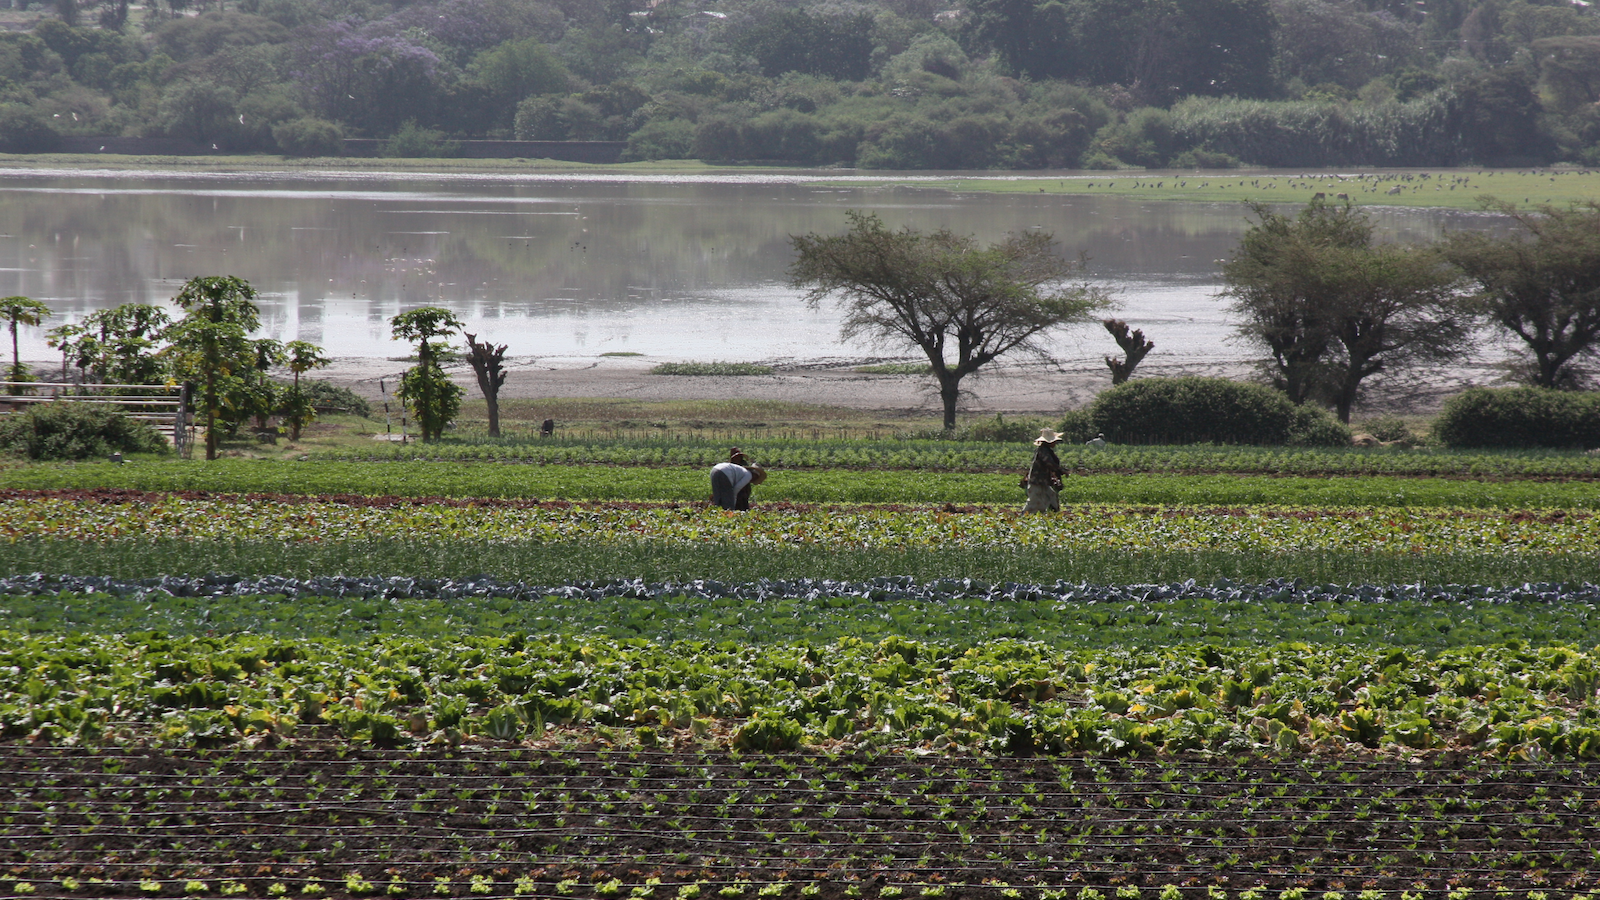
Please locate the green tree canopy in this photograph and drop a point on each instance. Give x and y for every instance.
(210, 346)
(944, 294)
(21, 311)
(433, 398)
(1542, 285)
(1334, 309)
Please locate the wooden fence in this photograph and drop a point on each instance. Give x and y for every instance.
(164, 408)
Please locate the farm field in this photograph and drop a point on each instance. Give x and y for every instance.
(1220, 674)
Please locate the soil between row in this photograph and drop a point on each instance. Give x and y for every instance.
(586, 821)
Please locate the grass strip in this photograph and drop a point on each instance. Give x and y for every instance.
(565, 563)
(455, 479)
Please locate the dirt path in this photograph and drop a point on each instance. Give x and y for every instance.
(1015, 389)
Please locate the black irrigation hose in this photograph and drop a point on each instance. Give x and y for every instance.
(887, 588)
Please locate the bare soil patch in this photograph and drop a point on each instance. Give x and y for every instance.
(591, 821)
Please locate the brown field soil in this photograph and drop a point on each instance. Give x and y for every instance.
(587, 821)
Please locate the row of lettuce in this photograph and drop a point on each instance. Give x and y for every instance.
(1392, 530)
(1005, 696)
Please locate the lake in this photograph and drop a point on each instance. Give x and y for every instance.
(684, 267)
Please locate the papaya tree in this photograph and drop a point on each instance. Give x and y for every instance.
(21, 311)
(296, 408)
(424, 388)
(210, 346)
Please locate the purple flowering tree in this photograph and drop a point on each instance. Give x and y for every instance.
(368, 77)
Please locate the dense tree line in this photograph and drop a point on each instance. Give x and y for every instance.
(872, 83)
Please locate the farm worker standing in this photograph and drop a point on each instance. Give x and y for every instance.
(731, 481)
(1043, 481)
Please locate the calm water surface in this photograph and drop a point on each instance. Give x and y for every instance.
(578, 265)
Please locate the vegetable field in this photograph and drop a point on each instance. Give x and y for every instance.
(603, 823)
(1238, 676)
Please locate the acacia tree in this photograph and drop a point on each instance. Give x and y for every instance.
(21, 311)
(211, 344)
(943, 293)
(1542, 286)
(1334, 309)
(487, 363)
(1397, 307)
(433, 398)
(1280, 289)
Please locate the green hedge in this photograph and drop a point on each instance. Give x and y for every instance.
(75, 431)
(1207, 410)
(1520, 417)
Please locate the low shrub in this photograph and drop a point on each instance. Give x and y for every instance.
(711, 368)
(328, 397)
(415, 142)
(1002, 430)
(1209, 410)
(1314, 427)
(1520, 417)
(309, 136)
(1387, 429)
(76, 431)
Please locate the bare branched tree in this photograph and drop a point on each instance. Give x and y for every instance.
(487, 362)
(1134, 349)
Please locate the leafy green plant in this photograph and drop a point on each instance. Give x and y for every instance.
(76, 431)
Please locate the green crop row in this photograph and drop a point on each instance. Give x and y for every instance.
(447, 479)
(567, 562)
(973, 456)
(1119, 528)
(1006, 696)
(961, 623)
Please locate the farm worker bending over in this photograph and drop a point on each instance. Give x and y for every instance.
(1043, 481)
(731, 481)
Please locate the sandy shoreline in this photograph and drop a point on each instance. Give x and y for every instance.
(1029, 388)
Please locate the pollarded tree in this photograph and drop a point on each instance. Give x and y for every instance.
(944, 294)
(1543, 286)
(433, 398)
(488, 364)
(1134, 349)
(211, 344)
(21, 311)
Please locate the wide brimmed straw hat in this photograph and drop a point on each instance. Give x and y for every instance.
(1046, 436)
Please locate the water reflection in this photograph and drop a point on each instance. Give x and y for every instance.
(690, 267)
